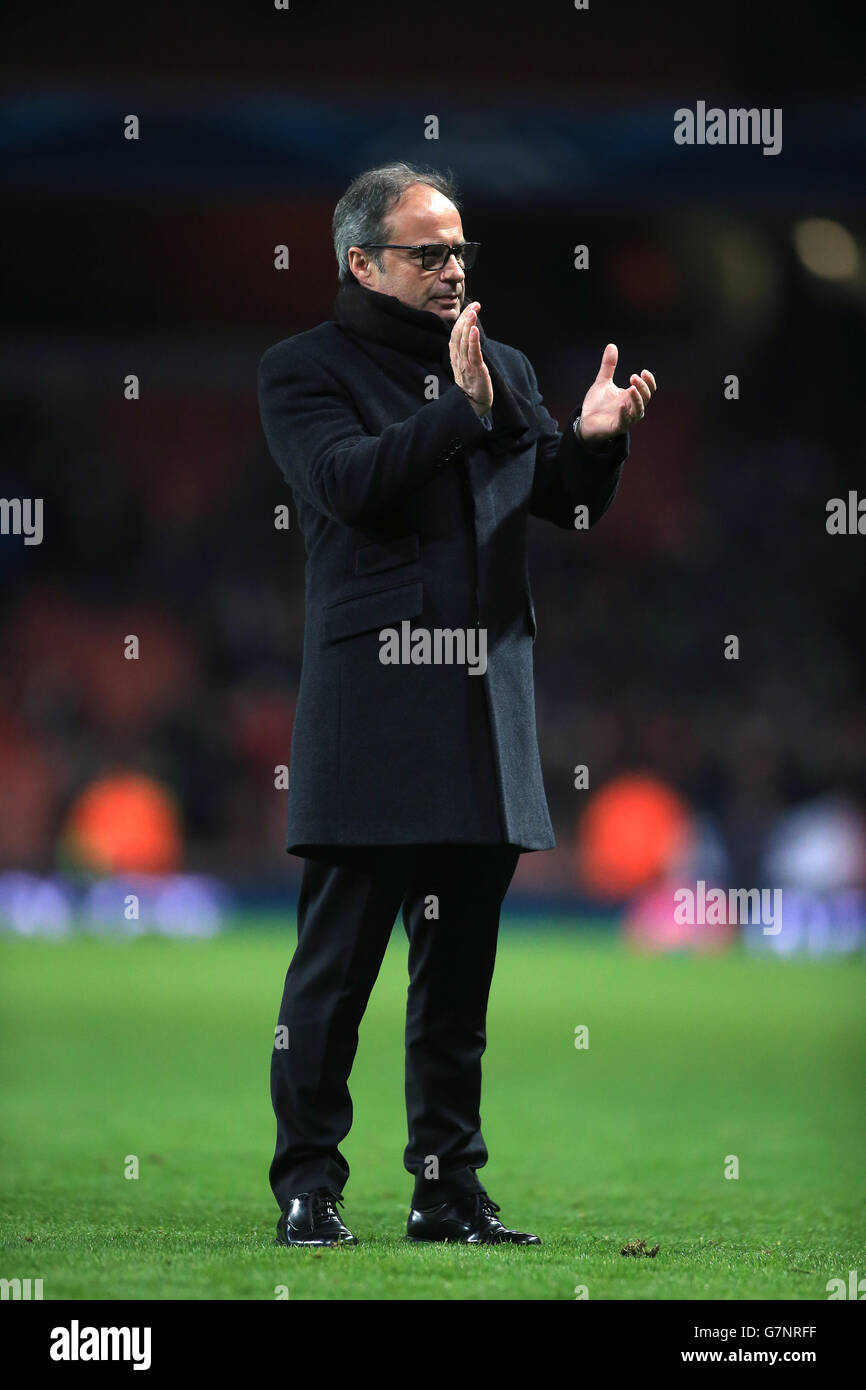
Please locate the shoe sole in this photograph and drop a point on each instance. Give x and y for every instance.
(315, 1244)
(453, 1240)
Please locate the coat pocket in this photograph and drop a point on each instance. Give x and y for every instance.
(351, 616)
(386, 555)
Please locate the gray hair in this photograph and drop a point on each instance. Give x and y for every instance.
(361, 215)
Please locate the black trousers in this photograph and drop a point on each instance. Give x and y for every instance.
(451, 897)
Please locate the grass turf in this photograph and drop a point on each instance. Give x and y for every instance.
(160, 1049)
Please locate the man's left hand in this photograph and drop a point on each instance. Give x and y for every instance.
(609, 410)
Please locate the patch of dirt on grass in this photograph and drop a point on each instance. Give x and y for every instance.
(638, 1248)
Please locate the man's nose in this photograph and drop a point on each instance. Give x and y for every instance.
(452, 270)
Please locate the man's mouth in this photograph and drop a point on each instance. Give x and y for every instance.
(446, 298)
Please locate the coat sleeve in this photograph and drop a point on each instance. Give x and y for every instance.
(327, 457)
(567, 474)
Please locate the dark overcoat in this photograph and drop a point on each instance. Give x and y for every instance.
(412, 511)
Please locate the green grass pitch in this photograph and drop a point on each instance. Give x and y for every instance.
(160, 1049)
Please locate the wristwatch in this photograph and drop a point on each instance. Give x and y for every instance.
(600, 449)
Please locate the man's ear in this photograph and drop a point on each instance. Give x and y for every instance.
(362, 266)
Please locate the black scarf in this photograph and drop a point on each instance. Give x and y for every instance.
(422, 334)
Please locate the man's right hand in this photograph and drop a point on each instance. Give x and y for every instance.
(467, 364)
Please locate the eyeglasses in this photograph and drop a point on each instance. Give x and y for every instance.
(434, 255)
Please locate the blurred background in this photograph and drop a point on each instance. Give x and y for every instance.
(154, 257)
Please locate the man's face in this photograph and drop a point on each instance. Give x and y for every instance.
(422, 215)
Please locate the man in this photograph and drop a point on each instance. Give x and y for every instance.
(415, 448)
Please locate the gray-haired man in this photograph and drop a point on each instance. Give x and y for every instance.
(416, 449)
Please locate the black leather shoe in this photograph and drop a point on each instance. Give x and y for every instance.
(312, 1219)
(471, 1220)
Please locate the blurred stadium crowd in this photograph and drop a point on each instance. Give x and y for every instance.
(158, 513)
(159, 523)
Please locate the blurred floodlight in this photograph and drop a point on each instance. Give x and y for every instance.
(746, 274)
(634, 830)
(826, 248)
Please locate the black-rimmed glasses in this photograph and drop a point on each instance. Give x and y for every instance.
(433, 255)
